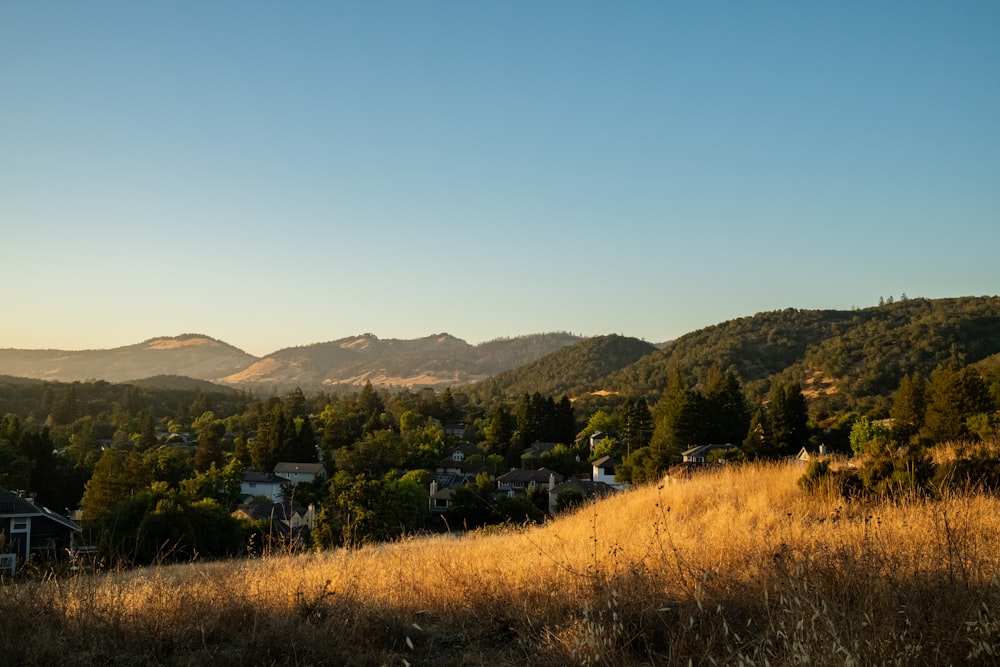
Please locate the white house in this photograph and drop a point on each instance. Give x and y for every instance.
(604, 470)
(265, 484)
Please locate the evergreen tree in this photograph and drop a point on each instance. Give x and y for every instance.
(500, 429)
(636, 423)
(725, 414)
(295, 404)
(675, 421)
(789, 419)
(909, 405)
(952, 397)
(147, 431)
(758, 442)
(116, 476)
(563, 422)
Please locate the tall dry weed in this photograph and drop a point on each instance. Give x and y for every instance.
(737, 566)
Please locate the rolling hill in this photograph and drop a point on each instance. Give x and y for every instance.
(191, 355)
(438, 360)
(857, 356)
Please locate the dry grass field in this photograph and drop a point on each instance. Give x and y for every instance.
(735, 567)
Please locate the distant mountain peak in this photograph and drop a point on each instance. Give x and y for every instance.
(174, 342)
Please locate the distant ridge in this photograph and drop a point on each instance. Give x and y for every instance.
(436, 360)
(192, 355)
(433, 361)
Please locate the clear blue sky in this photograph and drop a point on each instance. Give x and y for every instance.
(276, 174)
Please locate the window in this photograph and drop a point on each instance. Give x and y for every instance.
(19, 525)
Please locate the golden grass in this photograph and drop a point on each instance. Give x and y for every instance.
(731, 567)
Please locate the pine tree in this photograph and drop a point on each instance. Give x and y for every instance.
(909, 405)
(675, 421)
(636, 424)
(725, 415)
(789, 418)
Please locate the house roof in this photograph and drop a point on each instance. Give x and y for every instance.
(702, 450)
(263, 477)
(606, 462)
(13, 506)
(443, 494)
(303, 468)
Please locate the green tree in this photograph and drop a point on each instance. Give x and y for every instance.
(909, 405)
(636, 423)
(499, 429)
(209, 450)
(952, 397)
(759, 439)
(220, 484)
(675, 422)
(789, 419)
(868, 437)
(725, 413)
(118, 475)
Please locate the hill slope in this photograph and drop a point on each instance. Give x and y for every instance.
(859, 354)
(570, 370)
(192, 355)
(438, 360)
(734, 567)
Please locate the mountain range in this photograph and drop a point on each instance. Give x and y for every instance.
(846, 360)
(438, 360)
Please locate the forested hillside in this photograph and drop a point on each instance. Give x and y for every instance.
(571, 370)
(859, 356)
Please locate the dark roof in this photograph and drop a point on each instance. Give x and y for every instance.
(606, 462)
(703, 450)
(263, 477)
(310, 468)
(11, 505)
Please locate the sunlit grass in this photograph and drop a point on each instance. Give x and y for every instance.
(737, 566)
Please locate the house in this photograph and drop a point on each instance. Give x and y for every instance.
(28, 529)
(522, 482)
(699, 455)
(300, 473)
(604, 470)
(595, 438)
(439, 499)
(459, 454)
(265, 484)
(286, 521)
(292, 517)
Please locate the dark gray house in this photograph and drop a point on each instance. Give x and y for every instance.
(28, 529)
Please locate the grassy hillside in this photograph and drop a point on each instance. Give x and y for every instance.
(434, 361)
(190, 355)
(732, 567)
